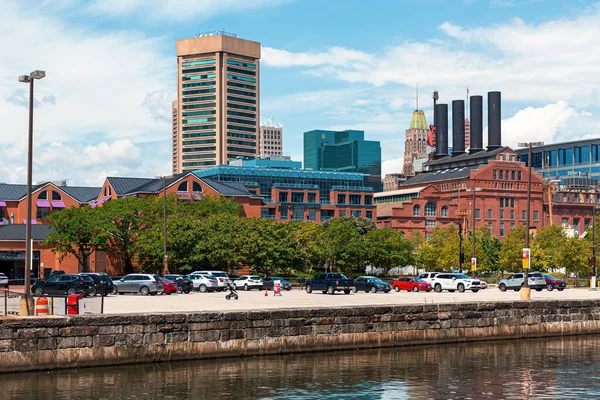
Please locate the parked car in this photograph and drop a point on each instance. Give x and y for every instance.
(371, 284)
(453, 282)
(184, 284)
(554, 283)
(3, 280)
(56, 272)
(248, 282)
(330, 283)
(204, 282)
(89, 287)
(143, 284)
(169, 286)
(268, 283)
(515, 282)
(64, 284)
(223, 279)
(102, 282)
(411, 285)
(428, 276)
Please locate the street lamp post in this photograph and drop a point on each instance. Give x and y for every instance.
(473, 267)
(28, 250)
(593, 260)
(165, 256)
(526, 291)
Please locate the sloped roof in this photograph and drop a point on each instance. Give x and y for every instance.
(386, 209)
(16, 232)
(156, 185)
(418, 120)
(228, 188)
(123, 186)
(481, 157)
(10, 192)
(440, 175)
(82, 194)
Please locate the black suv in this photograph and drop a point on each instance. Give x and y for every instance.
(103, 283)
(184, 284)
(59, 284)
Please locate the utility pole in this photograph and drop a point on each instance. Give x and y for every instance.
(166, 257)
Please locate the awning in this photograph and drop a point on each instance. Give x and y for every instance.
(42, 203)
(2, 203)
(33, 221)
(58, 204)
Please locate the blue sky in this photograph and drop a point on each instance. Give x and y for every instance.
(104, 107)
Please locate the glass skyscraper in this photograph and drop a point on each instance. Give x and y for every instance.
(344, 151)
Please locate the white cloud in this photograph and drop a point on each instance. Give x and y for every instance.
(339, 56)
(177, 10)
(392, 166)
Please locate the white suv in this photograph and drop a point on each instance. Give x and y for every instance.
(223, 280)
(428, 276)
(248, 282)
(452, 282)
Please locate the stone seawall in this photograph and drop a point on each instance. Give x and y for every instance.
(66, 342)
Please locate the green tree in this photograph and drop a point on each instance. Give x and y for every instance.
(76, 231)
(487, 249)
(511, 253)
(221, 241)
(574, 255)
(307, 236)
(547, 248)
(442, 250)
(387, 248)
(342, 246)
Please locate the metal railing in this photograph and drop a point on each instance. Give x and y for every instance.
(11, 303)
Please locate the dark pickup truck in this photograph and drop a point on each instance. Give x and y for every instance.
(330, 283)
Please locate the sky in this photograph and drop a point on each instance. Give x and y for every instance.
(104, 107)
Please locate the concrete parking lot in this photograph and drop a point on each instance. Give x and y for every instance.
(256, 300)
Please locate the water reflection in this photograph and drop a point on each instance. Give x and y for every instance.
(543, 368)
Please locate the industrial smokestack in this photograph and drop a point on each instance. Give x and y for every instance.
(458, 127)
(441, 140)
(476, 124)
(494, 121)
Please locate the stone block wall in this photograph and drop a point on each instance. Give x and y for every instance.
(63, 342)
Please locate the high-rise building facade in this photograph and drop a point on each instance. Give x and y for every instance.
(217, 100)
(270, 142)
(175, 138)
(415, 143)
(345, 151)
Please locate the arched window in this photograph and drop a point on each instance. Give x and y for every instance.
(56, 196)
(444, 211)
(430, 210)
(416, 210)
(183, 187)
(196, 187)
(43, 195)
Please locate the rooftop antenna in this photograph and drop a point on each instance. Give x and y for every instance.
(417, 96)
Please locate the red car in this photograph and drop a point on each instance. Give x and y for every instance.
(411, 285)
(170, 286)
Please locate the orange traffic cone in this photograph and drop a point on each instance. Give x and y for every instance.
(266, 293)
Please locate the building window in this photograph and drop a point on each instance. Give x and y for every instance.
(43, 196)
(369, 214)
(502, 229)
(183, 187)
(297, 197)
(501, 174)
(341, 199)
(368, 199)
(501, 202)
(512, 175)
(355, 199)
(430, 210)
(501, 214)
(56, 196)
(283, 197)
(356, 213)
(524, 214)
(490, 227)
(576, 224)
(42, 212)
(512, 214)
(342, 213)
(430, 224)
(520, 175)
(312, 214)
(512, 203)
(444, 211)
(494, 175)
(312, 197)
(512, 227)
(536, 215)
(490, 215)
(284, 211)
(416, 210)
(565, 221)
(196, 187)
(586, 222)
(477, 213)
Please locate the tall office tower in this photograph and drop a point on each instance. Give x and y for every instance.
(415, 144)
(175, 139)
(217, 100)
(344, 151)
(270, 139)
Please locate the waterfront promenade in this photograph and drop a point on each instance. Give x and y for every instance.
(256, 300)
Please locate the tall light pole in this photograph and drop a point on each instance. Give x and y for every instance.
(526, 291)
(28, 251)
(165, 256)
(473, 258)
(593, 259)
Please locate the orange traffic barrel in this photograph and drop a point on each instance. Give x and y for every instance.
(41, 306)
